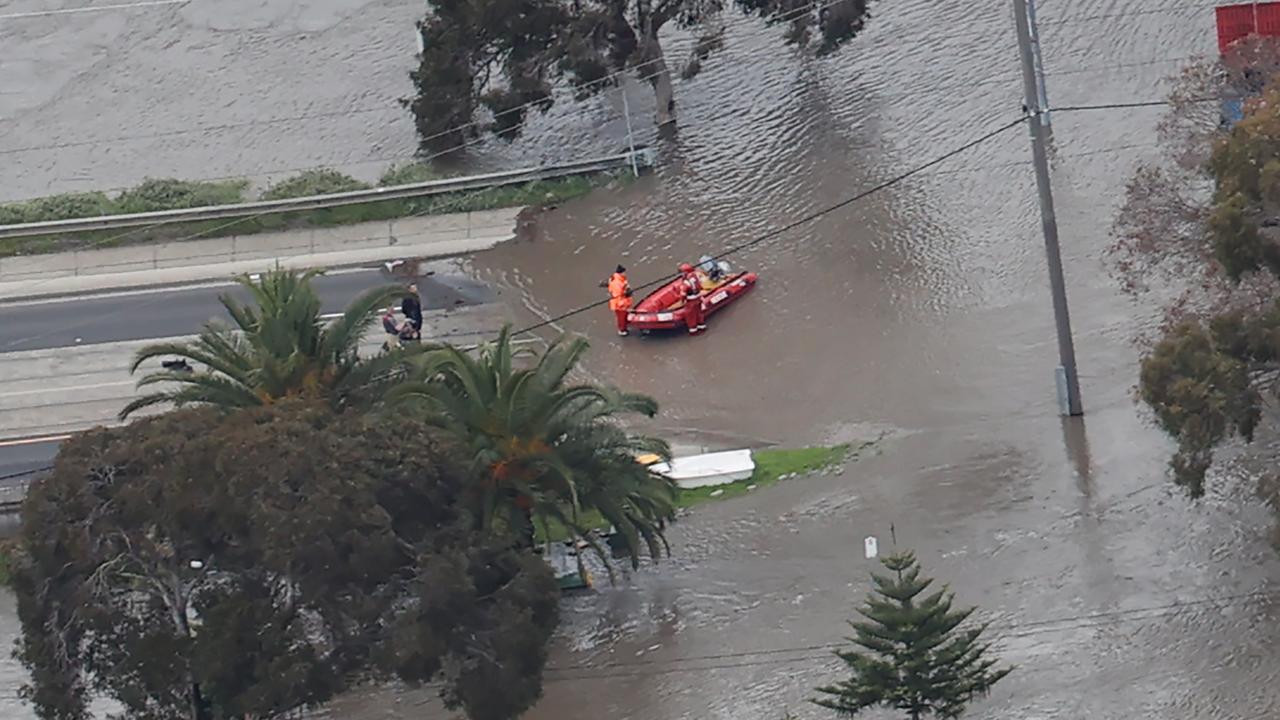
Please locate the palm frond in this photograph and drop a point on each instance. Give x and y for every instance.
(531, 435)
(344, 334)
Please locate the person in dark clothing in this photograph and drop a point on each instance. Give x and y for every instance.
(411, 306)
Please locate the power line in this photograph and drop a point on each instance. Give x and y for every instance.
(428, 158)
(1125, 14)
(24, 473)
(1116, 106)
(92, 8)
(772, 234)
(733, 250)
(728, 252)
(766, 237)
(739, 659)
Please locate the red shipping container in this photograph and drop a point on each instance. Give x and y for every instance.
(1239, 21)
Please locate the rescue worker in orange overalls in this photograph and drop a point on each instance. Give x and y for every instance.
(693, 318)
(620, 298)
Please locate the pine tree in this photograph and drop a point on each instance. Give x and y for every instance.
(916, 657)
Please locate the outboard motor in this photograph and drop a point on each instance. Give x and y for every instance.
(709, 266)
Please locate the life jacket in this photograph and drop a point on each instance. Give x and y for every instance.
(692, 285)
(618, 287)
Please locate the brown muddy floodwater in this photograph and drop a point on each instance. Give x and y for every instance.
(921, 312)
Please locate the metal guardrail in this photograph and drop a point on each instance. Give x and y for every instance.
(643, 157)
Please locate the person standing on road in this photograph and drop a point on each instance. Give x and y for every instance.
(693, 318)
(411, 306)
(620, 298)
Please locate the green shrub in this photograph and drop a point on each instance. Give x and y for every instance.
(57, 207)
(313, 182)
(169, 194)
(154, 195)
(7, 549)
(409, 173)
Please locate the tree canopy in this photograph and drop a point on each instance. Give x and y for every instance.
(206, 564)
(916, 653)
(1207, 222)
(279, 346)
(542, 447)
(486, 63)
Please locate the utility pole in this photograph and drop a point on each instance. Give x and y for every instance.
(631, 138)
(1068, 379)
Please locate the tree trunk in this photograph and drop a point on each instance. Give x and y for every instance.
(200, 708)
(659, 76)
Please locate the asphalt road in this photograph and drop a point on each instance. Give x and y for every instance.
(111, 317)
(18, 460)
(138, 315)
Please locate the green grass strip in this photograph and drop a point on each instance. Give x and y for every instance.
(772, 466)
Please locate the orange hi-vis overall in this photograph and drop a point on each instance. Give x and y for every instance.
(619, 301)
(693, 301)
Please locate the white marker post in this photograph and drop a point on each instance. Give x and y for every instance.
(871, 547)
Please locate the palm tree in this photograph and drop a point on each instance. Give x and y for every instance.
(541, 448)
(279, 347)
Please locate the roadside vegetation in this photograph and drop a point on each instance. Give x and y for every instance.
(913, 651)
(298, 520)
(169, 194)
(1202, 222)
(301, 520)
(6, 551)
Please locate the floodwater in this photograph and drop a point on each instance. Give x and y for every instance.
(919, 314)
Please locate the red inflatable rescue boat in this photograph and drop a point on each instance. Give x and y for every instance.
(664, 308)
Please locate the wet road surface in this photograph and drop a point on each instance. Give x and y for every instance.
(17, 459)
(169, 312)
(921, 312)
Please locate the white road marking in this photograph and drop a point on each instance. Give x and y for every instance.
(74, 388)
(93, 8)
(335, 316)
(34, 440)
(158, 290)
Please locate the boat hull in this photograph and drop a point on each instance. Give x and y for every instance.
(709, 469)
(656, 311)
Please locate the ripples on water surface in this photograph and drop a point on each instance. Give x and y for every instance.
(921, 308)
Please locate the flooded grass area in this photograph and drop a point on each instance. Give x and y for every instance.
(775, 465)
(772, 466)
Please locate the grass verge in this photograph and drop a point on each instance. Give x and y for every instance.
(155, 195)
(772, 467)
